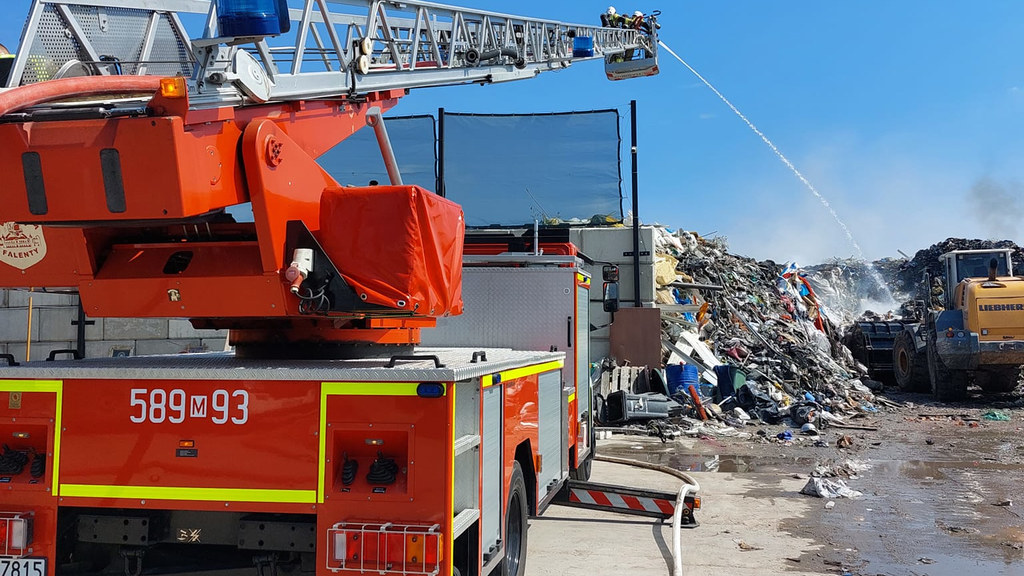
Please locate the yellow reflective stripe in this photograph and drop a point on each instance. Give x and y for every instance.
(57, 427)
(200, 494)
(31, 385)
(53, 387)
(323, 445)
(488, 380)
(572, 397)
(370, 388)
(531, 370)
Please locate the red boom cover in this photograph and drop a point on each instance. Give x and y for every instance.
(396, 244)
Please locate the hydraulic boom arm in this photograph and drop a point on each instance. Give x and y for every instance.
(368, 46)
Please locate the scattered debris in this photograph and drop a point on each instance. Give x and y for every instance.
(824, 488)
(996, 415)
(747, 547)
(959, 529)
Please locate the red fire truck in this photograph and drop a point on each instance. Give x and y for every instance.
(330, 440)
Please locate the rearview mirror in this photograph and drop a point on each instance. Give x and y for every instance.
(611, 297)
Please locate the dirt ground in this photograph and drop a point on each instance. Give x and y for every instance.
(943, 494)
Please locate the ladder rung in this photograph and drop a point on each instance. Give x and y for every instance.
(466, 442)
(463, 520)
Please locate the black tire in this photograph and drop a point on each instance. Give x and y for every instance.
(998, 380)
(909, 366)
(582, 472)
(514, 562)
(947, 385)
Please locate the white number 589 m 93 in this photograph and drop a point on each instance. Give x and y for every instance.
(175, 406)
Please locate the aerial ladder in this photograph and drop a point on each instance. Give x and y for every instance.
(329, 441)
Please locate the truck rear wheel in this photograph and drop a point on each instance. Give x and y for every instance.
(909, 365)
(582, 472)
(947, 385)
(514, 563)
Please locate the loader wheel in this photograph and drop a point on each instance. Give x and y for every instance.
(998, 380)
(947, 385)
(908, 365)
(514, 563)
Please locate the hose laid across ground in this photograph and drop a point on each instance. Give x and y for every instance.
(689, 486)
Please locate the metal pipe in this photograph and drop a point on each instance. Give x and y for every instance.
(636, 208)
(440, 152)
(28, 330)
(695, 285)
(376, 121)
(80, 329)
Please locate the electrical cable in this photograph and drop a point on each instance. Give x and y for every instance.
(314, 303)
(383, 470)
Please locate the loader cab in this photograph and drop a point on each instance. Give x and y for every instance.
(958, 265)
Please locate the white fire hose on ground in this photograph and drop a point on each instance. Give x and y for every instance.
(690, 486)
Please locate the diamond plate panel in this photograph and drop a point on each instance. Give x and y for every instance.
(522, 308)
(224, 366)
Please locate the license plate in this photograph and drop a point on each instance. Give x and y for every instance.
(22, 566)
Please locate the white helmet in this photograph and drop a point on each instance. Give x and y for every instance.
(611, 9)
(638, 14)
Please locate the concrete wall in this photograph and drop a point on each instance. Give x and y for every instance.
(50, 326)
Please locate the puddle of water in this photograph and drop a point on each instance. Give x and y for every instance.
(934, 518)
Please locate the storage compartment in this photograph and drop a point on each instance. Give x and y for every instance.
(371, 461)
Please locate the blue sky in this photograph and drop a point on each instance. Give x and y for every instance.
(908, 116)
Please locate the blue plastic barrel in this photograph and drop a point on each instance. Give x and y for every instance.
(674, 375)
(582, 47)
(691, 378)
(249, 17)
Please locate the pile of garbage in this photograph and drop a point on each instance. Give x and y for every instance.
(908, 278)
(761, 343)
